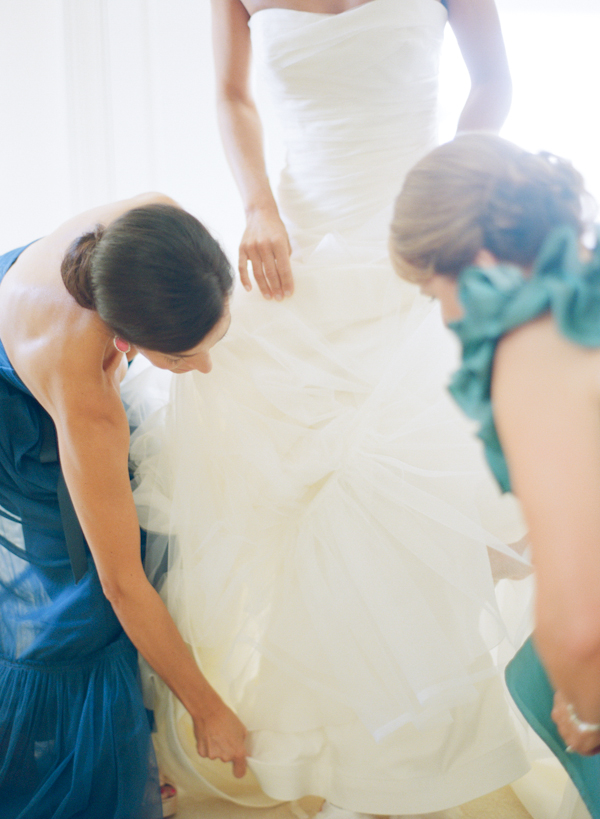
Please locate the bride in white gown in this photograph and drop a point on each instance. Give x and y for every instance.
(326, 510)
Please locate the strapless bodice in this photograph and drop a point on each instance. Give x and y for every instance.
(356, 94)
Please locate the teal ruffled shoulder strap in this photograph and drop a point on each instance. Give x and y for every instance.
(497, 300)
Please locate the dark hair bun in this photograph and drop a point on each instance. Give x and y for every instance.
(76, 265)
(480, 191)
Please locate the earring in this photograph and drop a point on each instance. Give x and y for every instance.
(121, 345)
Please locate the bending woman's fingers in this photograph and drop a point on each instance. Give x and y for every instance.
(202, 747)
(226, 752)
(239, 767)
(221, 735)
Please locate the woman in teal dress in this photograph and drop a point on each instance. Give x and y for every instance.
(140, 275)
(498, 235)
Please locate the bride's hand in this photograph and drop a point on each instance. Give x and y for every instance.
(220, 735)
(265, 244)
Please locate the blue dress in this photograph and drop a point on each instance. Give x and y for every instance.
(496, 301)
(74, 735)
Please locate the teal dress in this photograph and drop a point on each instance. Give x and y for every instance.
(75, 740)
(496, 301)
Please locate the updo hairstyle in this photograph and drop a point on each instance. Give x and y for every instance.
(155, 276)
(480, 191)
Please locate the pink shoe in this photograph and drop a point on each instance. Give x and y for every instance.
(168, 796)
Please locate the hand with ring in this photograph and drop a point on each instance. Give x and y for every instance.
(578, 735)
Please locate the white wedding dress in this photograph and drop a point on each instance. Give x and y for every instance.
(326, 508)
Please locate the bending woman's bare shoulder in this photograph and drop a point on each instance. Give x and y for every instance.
(62, 352)
(545, 396)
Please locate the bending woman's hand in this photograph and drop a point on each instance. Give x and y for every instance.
(220, 735)
(265, 244)
(584, 742)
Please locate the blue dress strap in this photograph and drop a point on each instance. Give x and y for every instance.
(73, 533)
(74, 540)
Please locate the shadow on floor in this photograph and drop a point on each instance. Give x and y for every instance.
(501, 804)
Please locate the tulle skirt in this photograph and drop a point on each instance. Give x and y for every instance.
(320, 518)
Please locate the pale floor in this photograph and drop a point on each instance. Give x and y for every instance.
(501, 804)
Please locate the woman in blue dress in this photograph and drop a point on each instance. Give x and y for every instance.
(139, 275)
(496, 234)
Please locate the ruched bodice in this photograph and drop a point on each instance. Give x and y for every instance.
(342, 170)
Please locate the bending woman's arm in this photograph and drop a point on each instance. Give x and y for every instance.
(477, 28)
(93, 436)
(546, 405)
(265, 243)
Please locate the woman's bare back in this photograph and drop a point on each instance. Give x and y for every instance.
(50, 340)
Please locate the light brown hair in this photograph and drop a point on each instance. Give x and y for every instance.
(481, 191)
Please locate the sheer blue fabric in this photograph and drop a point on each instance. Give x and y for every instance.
(497, 300)
(74, 735)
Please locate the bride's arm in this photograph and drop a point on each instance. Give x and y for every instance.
(265, 243)
(477, 28)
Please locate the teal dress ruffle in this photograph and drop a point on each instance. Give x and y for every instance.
(496, 301)
(499, 299)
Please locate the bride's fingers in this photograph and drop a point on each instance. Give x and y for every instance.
(243, 270)
(271, 272)
(281, 250)
(259, 276)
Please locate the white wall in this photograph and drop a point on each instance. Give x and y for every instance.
(101, 99)
(34, 139)
(554, 57)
